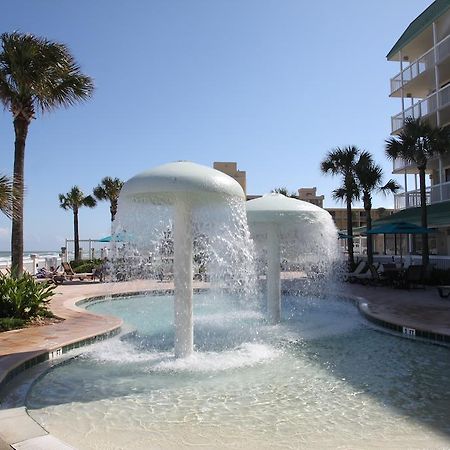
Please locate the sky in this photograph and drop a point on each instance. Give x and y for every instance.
(271, 84)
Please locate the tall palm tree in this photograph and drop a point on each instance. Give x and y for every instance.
(342, 161)
(370, 179)
(7, 205)
(74, 200)
(416, 144)
(35, 75)
(109, 189)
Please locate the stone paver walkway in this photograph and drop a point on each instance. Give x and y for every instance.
(421, 309)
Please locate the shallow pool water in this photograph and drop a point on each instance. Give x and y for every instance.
(323, 378)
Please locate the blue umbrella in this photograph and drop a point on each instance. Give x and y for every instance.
(399, 228)
(119, 237)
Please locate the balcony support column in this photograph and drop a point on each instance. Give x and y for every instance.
(401, 89)
(406, 191)
(441, 179)
(436, 75)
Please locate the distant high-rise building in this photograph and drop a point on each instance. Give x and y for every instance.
(310, 195)
(230, 168)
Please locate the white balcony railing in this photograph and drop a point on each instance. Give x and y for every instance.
(420, 65)
(417, 67)
(410, 199)
(420, 109)
(423, 108)
(434, 194)
(443, 49)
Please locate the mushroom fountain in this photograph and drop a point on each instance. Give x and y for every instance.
(183, 187)
(294, 229)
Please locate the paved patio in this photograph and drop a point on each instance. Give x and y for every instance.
(421, 309)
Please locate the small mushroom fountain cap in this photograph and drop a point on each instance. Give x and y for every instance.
(277, 208)
(165, 183)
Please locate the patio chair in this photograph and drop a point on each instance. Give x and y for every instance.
(371, 276)
(362, 266)
(413, 278)
(444, 291)
(69, 274)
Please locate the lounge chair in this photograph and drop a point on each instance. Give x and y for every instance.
(362, 266)
(69, 274)
(371, 275)
(50, 275)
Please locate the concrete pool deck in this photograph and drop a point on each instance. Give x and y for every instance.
(420, 310)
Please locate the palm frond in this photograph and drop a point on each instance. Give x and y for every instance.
(8, 198)
(391, 187)
(36, 73)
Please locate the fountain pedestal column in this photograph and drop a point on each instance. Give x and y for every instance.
(182, 239)
(273, 274)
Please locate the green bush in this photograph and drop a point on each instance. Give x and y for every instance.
(85, 265)
(24, 297)
(10, 323)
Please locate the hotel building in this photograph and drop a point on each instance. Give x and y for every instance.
(422, 87)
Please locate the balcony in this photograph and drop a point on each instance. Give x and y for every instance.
(411, 199)
(421, 65)
(425, 107)
(420, 109)
(416, 68)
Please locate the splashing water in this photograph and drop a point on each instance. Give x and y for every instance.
(223, 249)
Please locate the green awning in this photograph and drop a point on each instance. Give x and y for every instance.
(438, 217)
(435, 10)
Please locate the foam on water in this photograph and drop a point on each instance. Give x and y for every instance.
(247, 354)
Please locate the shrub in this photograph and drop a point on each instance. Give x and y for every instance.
(85, 265)
(10, 323)
(24, 297)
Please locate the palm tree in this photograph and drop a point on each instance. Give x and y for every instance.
(370, 178)
(74, 200)
(35, 75)
(342, 161)
(109, 189)
(417, 143)
(7, 205)
(283, 191)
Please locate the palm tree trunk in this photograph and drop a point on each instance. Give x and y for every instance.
(113, 210)
(76, 237)
(351, 259)
(21, 131)
(424, 218)
(369, 236)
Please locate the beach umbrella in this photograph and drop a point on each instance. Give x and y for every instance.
(120, 237)
(399, 228)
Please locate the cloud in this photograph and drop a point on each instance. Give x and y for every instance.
(4, 232)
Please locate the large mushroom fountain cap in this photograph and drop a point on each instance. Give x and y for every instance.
(181, 180)
(277, 208)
